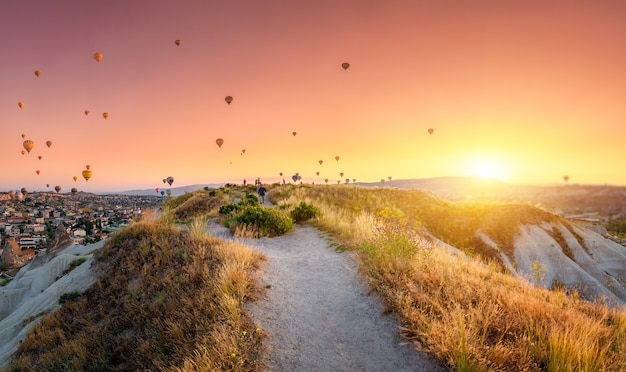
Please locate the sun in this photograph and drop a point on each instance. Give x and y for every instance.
(486, 168)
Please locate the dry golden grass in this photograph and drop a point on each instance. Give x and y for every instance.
(167, 298)
(470, 313)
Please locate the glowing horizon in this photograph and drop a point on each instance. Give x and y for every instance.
(525, 92)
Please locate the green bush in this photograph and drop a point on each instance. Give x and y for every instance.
(267, 221)
(229, 208)
(249, 199)
(304, 212)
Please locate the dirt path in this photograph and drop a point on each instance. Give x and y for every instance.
(319, 313)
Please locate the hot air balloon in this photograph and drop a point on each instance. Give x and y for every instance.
(39, 157)
(345, 65)
(74, 190)
(75, 178)
(338, 182)
(19, 196)
(23, 135)
(178, 42)
(165, 180)
(28, 145)
(294, 133)
(87, 174)
(317, 173)
(281, 174)
(566, 178)
(23, 152)
(12, 193)
(228, 99)
(37, 171)
(168, 192)
(47, 185)
(337, 157)
(88, 166)
(347, 181)
(430, 130)
(389, 178)
(341, 174)
(326, 180)
(37, 73)
(24, 190)
(170, 180)
(157, 190)
(98, 56)
(49, 143)
(57, 188)
(20, 104)
(321, 161)
(294, 177)
(243, 151)
(219, 142)
(87, 112)
(105, 115)
(354, 180)
(162, 192)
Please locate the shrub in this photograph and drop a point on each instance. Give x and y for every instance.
(304, 212)
(249, 199)
(229, 208)
(71, 296)
(265, 221)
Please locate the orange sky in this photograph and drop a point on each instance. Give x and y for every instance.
(526, 91)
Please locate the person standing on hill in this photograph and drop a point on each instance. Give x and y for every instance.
(261, 191)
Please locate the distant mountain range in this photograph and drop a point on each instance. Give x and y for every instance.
(176, 191)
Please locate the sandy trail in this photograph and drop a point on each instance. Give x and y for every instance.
(319, 312)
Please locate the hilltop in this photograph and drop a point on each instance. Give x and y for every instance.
(476, 284)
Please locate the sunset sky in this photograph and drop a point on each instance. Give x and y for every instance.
(524, 91)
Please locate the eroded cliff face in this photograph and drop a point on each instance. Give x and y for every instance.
(553, 254)
(13, 256)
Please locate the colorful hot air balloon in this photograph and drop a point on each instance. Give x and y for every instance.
(168, 192)
(23, 135)
(228, 99)
(48, 143)
(105, 115)
(162, 192)
(165, 180)
(98, 56)
(337, 157)
(88, 166)
(326, 180)
(341, 174)
(243, 151)
(431, 130)
(47, 185)
(87, 112)
(20, 104)
(28, 145)
(281, 174)
(74, 190)
(294, 133)
(57, 188)
(75, 178)
(87, 174)
(23, 152)
(294, 177)
(389, 178)
(37, 73)
(317, 173)
(347, 181)
(320, 161)
(170, 180)
(39, 157)
(178, 42)
(37, 171)
(12, 193)
(345, 65)
(219, 142)
(157, 190)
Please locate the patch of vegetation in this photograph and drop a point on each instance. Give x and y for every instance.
(167, 300)
(229, 208)
(71, 296)
(189, 205)
(304, 212)
(264, 221)
(472, 315)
